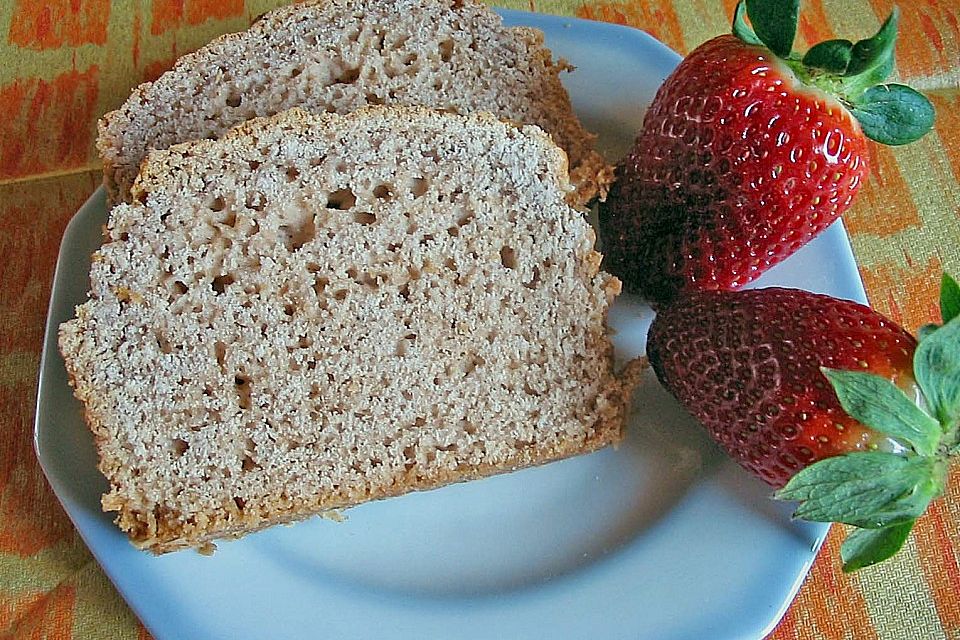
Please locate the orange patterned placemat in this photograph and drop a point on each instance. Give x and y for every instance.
(65, 62)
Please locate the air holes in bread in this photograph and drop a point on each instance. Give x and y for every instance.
(446, 49)
(418, 187)
(364, 217)
(179, 447)
(294, 237)
(244, 393)
(508, 257)
(535, 280)
(229, 219)
(220, 352)
(221, 282)
(348, 76)
(410, 456)
(163, 343)
(319, 285)
(383, 192)
(341, 200)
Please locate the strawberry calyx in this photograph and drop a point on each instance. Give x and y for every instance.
(852, 72)
(882, 493)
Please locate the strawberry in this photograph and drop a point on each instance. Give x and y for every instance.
(824, 399)
(748, 151)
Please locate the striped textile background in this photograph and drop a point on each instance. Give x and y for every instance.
(65, 62)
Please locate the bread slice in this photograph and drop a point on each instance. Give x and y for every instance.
(320, 310)
(338, 55)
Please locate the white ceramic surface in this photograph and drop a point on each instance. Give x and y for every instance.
(662, 538)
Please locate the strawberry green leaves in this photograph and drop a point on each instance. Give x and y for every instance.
(830, 55)
(936, 362)
(949, 298)
(877, 402)
(865, 547)
(869, 489)
(862, 64)
(740, 27)
(949, 305)
(775, 23)
(880, 493)
(936, 365)
(871, 60)
(893, 114)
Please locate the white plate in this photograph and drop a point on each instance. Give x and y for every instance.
(661, 538)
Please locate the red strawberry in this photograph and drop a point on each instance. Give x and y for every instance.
(747, 366)
(749, 151)
(823, 398)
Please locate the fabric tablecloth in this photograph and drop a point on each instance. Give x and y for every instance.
(63, 63)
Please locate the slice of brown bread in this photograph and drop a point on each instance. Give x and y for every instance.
(338, 55)
(319, 310)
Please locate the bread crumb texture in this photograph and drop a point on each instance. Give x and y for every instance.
(339, 55)
(319, 310)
